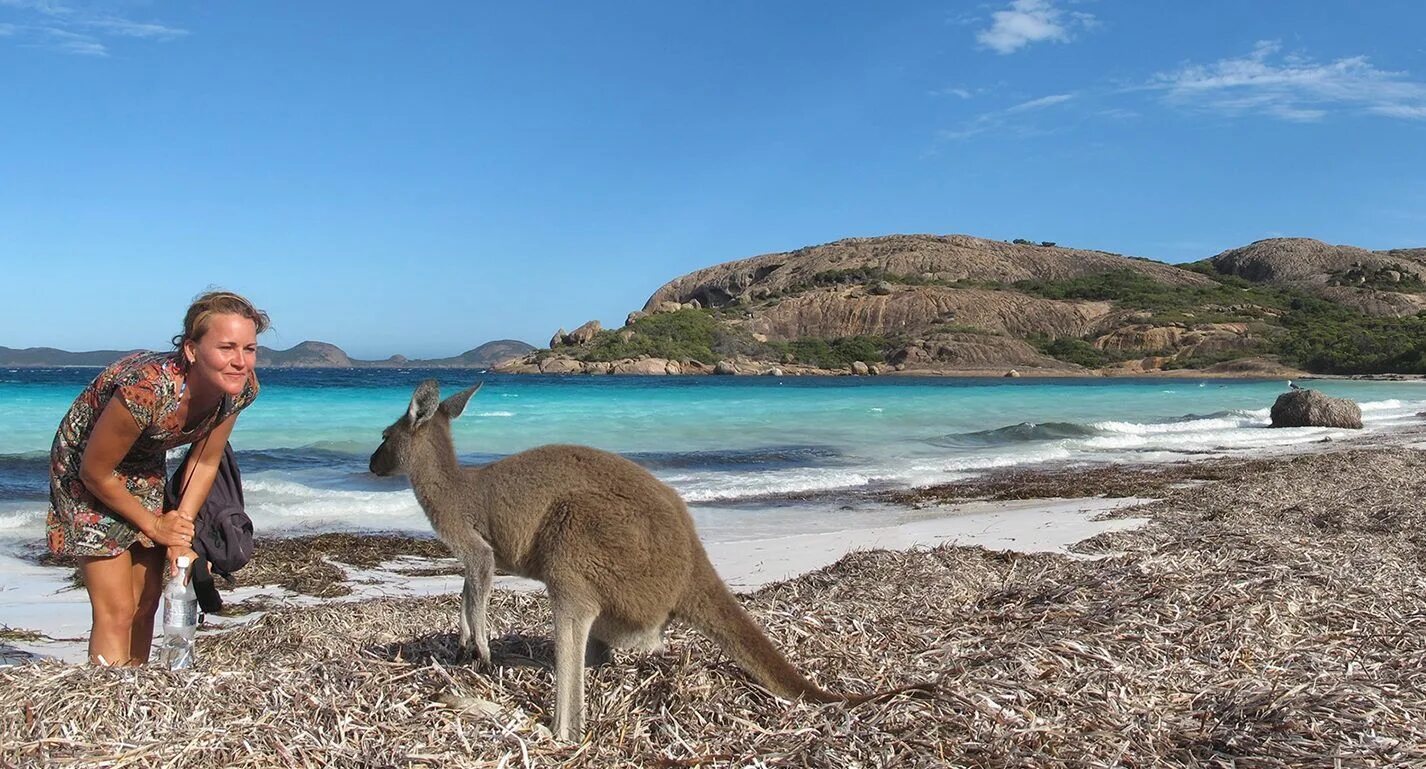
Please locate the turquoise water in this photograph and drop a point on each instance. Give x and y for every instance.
(746, 452)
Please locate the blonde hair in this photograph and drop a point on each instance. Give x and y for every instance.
(210, 303)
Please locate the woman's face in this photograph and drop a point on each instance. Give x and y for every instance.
(224, 357)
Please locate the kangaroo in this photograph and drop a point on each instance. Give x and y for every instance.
(614, 546)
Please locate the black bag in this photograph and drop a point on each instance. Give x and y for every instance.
(222, 532)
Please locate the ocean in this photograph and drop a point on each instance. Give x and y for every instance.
(753, 456)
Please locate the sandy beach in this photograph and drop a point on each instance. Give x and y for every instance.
(52, 622)
(1240, 612)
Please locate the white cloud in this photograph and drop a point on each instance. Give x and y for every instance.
(1292, 87)
(54, 25)
(1266, 82)
(69, 42)
(125, 28)
(1031, 21)
(1041, 103)
(1010, 118)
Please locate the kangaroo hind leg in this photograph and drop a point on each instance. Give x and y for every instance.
(572, 619)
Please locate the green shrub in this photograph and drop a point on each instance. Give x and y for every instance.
(1328, 338)
(1135, 290)
(867, 276)
(840, 353)
(1077, 351)
(681, 335)
(1204, 360)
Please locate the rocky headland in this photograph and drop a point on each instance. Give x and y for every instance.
(955, 304)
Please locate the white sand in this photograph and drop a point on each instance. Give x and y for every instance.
(34, 598)
(1026, 526)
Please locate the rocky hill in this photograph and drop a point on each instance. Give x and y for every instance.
(305, 355)
(1383, 283)
(959, 304)
(917, 259)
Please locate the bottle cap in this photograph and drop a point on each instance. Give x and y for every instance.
(182, 561)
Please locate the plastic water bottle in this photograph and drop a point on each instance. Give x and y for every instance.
(180, 618)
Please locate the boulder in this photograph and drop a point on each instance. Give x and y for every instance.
(1013, 374)
(561, 366)
(859, 368)
(882, 288)
(725, 368)
(558, 338)
(646, 367)
(913, 355)
(668, 307)
(634, 317)
(1310, 408)
(774, 371)
(584, 334)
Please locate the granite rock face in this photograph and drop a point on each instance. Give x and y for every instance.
(1310, 408)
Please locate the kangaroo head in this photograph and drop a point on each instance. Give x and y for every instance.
(427, 417)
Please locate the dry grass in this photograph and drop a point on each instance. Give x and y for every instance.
(1276, 619)
(304, 564)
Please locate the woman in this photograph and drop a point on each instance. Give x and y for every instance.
(107, 465)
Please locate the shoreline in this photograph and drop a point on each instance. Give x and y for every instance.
(1267, 614)
(303, 572)
(793, 371)
(1047, 508)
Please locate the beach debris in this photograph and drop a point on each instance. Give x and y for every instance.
(1270, 616)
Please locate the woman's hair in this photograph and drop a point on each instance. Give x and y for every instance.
(210, 303)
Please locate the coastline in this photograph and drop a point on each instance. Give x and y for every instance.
(1209, 625)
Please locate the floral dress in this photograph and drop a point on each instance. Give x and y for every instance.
(150, 385)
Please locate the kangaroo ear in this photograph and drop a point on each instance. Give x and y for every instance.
(454, 406)
(424, 403)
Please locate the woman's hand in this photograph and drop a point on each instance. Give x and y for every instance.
(174, 553)
(172, 529)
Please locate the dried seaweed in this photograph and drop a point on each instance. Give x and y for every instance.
(1273, 618)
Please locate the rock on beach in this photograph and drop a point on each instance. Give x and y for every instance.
(1310, 408)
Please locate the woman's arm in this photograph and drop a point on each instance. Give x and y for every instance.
(201, 469)
(110, 439)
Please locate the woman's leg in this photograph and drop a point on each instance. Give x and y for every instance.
(147, 583)
(112, 600)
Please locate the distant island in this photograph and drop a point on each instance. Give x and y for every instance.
(962, 305)
(304, 355)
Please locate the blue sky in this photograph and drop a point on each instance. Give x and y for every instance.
(420, 178)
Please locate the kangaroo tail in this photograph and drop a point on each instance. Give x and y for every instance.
(711, 609)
